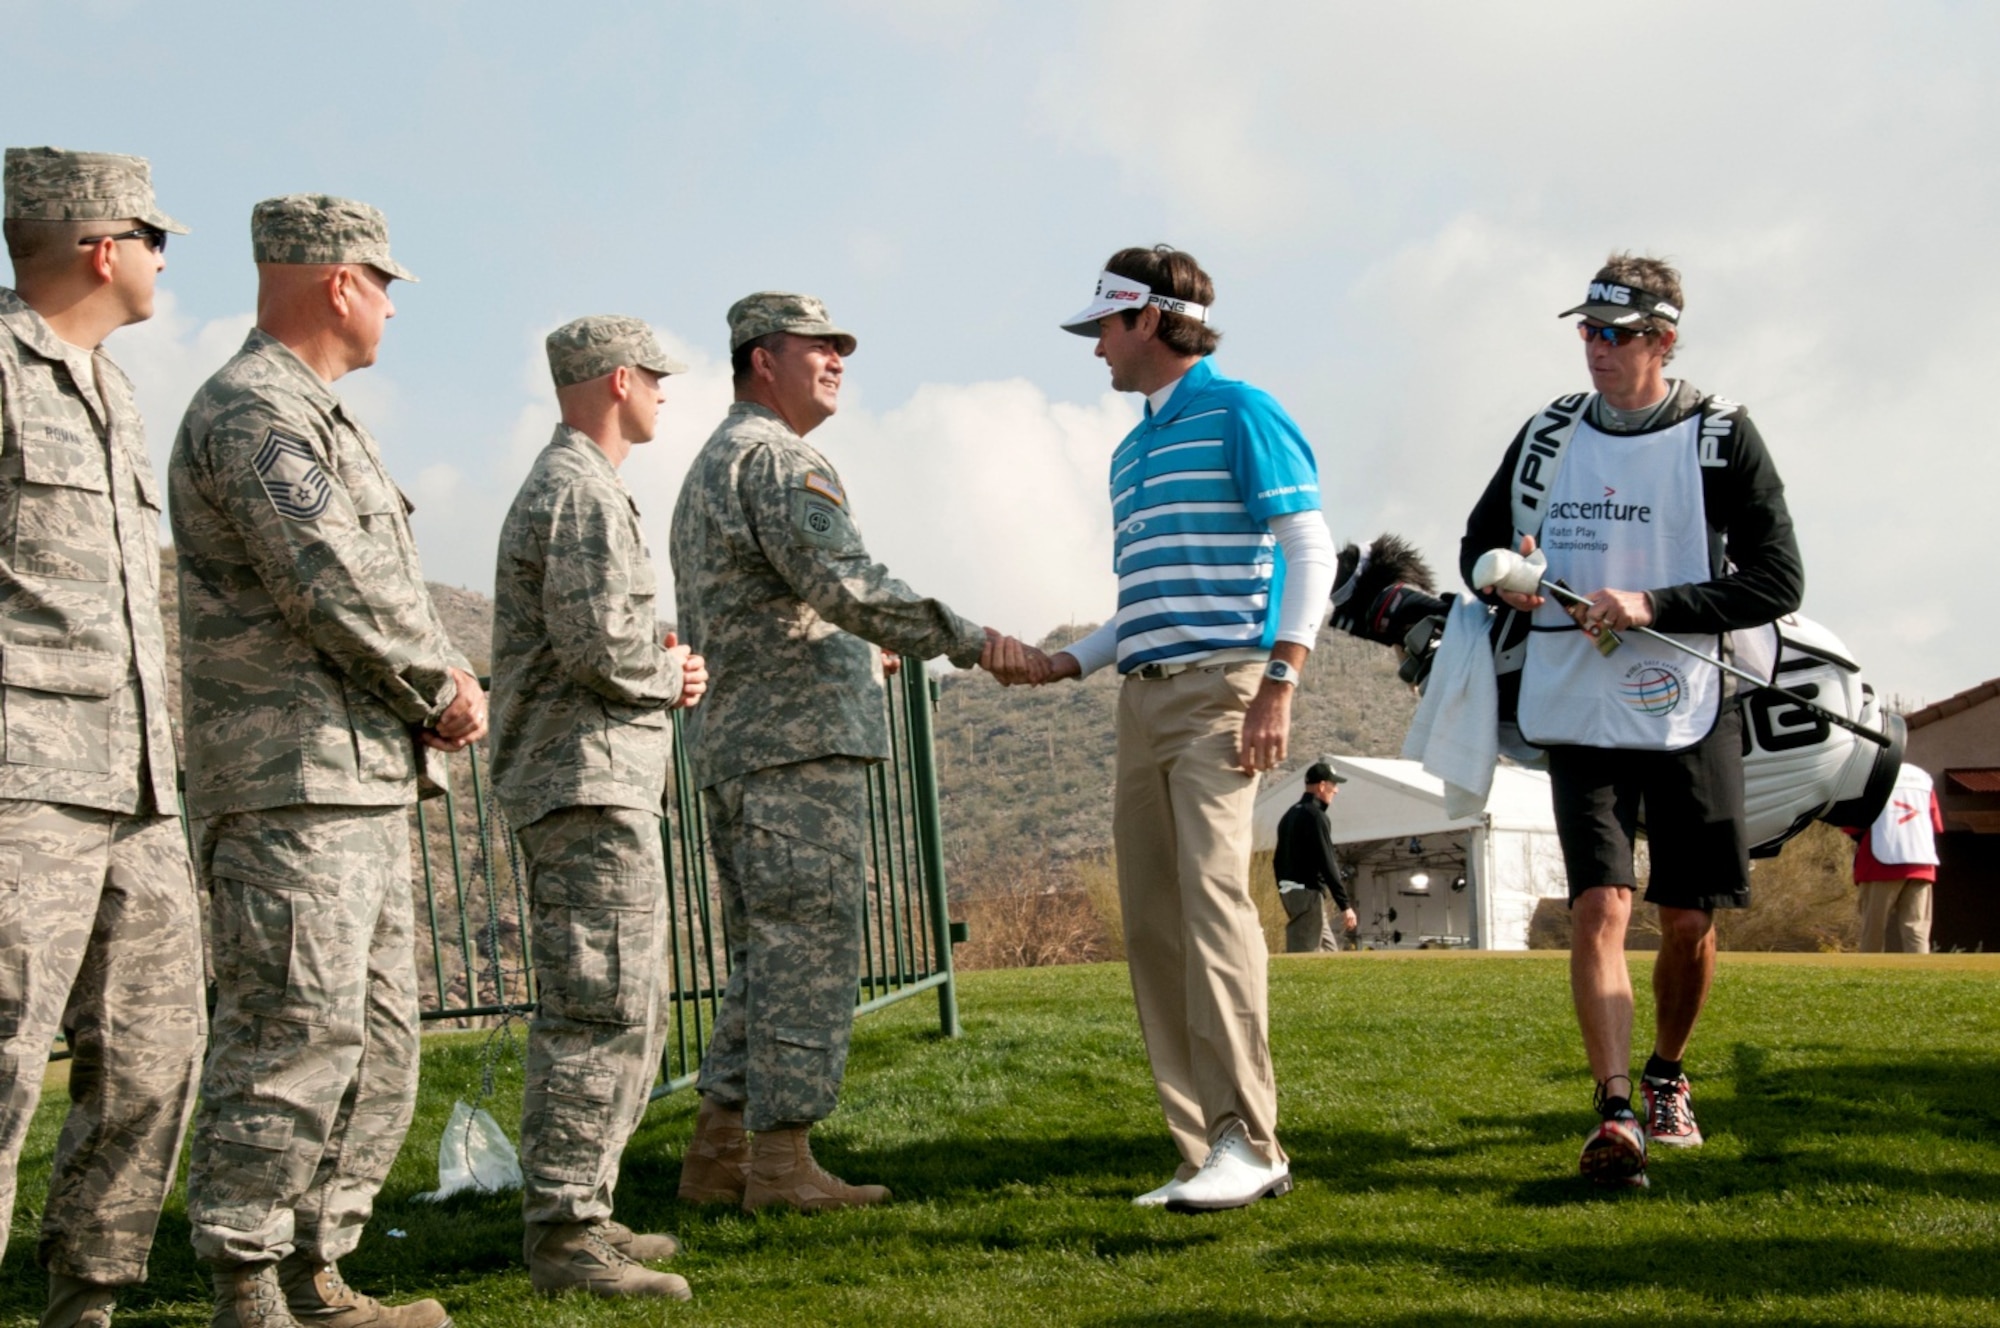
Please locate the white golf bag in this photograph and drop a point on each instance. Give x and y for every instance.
(1797, 768)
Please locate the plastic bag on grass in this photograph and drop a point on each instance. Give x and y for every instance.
(475, 1154)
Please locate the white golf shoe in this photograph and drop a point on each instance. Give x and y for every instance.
(1234, 1176)
(1158, 1198)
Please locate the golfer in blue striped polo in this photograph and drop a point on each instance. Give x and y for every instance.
(1224, 568)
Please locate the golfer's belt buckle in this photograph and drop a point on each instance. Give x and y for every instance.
(1155, 672)
(1603, 638)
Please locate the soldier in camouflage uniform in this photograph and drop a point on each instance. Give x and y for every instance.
(582, 684)
(99, 928)
(318, 684)
(776, 589)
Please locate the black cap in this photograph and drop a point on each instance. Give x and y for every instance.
(1621, 305)
(1319, 772)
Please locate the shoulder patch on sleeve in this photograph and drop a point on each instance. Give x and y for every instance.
(826, 487)
(292, 479)
(821, 523)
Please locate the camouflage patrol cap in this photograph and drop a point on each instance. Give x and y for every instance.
(593, 346)
(319, 228)
(766, 312)
(52, 184)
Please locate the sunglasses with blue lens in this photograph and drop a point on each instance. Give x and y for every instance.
(1617, 336)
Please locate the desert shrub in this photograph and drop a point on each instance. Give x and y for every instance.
(1098, 876)
(1028, 912)
(1803, 899)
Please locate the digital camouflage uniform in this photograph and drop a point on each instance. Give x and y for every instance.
(581, 690)
(777, 592)
(100, 934)
(310, 654)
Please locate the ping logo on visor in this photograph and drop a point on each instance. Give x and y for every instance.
(1116, 293)
(1621, 305)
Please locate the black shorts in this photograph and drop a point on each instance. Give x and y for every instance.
(1692, 805)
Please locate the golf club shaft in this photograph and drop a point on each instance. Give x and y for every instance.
(1568, 596)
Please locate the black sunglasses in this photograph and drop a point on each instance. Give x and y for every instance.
(155, 238)
(1617, 336)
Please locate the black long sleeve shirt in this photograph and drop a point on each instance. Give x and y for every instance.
(1305, 850)
(1757, 575)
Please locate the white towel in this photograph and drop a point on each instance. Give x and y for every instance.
(1456, 730)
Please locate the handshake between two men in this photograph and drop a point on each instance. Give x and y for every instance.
(1267, 720)
(1013, 662)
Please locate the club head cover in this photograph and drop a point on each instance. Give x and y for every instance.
(1504, 569)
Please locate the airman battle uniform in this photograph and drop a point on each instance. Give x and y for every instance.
(582, 686)
(311, 654)
(100, 933)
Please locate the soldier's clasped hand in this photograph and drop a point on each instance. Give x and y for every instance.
(694, 672)
(463, 721)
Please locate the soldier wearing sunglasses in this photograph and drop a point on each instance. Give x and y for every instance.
(99, 928)
(1661, 504)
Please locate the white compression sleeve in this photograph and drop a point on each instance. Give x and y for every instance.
(1093, 652)
(1310, 560)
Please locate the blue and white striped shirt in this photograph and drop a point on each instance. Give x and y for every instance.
(1192, 488)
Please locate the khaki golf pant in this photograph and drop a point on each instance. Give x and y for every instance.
(1896, 917)
(1193, 940)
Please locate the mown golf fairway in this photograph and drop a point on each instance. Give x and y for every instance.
(1432, 1106)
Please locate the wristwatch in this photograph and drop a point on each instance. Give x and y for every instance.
(1279, 671)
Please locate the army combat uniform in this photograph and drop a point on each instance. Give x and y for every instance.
(581, 689)
(311, 653)
(99, 929)
(776, 590)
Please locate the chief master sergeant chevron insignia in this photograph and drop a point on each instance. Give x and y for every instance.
(292, 478)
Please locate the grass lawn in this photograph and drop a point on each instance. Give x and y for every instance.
(1432, 1105)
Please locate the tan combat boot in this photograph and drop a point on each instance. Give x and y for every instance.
(574, 1256)
(717, 1158)
(248, 1296)
(643, 1246)
(319, 1297)
(75, 1303)
(782, 1171)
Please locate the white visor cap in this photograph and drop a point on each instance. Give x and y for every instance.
(1116, 294)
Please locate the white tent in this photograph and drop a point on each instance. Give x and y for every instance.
(1422, 877)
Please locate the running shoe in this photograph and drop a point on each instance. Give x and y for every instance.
(1615, 1152)
(1670, 1112)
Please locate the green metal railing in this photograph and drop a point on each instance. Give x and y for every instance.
(480, 960)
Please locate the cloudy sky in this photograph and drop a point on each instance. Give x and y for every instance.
(1393, 200)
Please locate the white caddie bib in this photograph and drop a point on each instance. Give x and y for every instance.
(1625, 512)
(1902, 833)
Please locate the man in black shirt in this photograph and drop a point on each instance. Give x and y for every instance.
(1306, 869)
